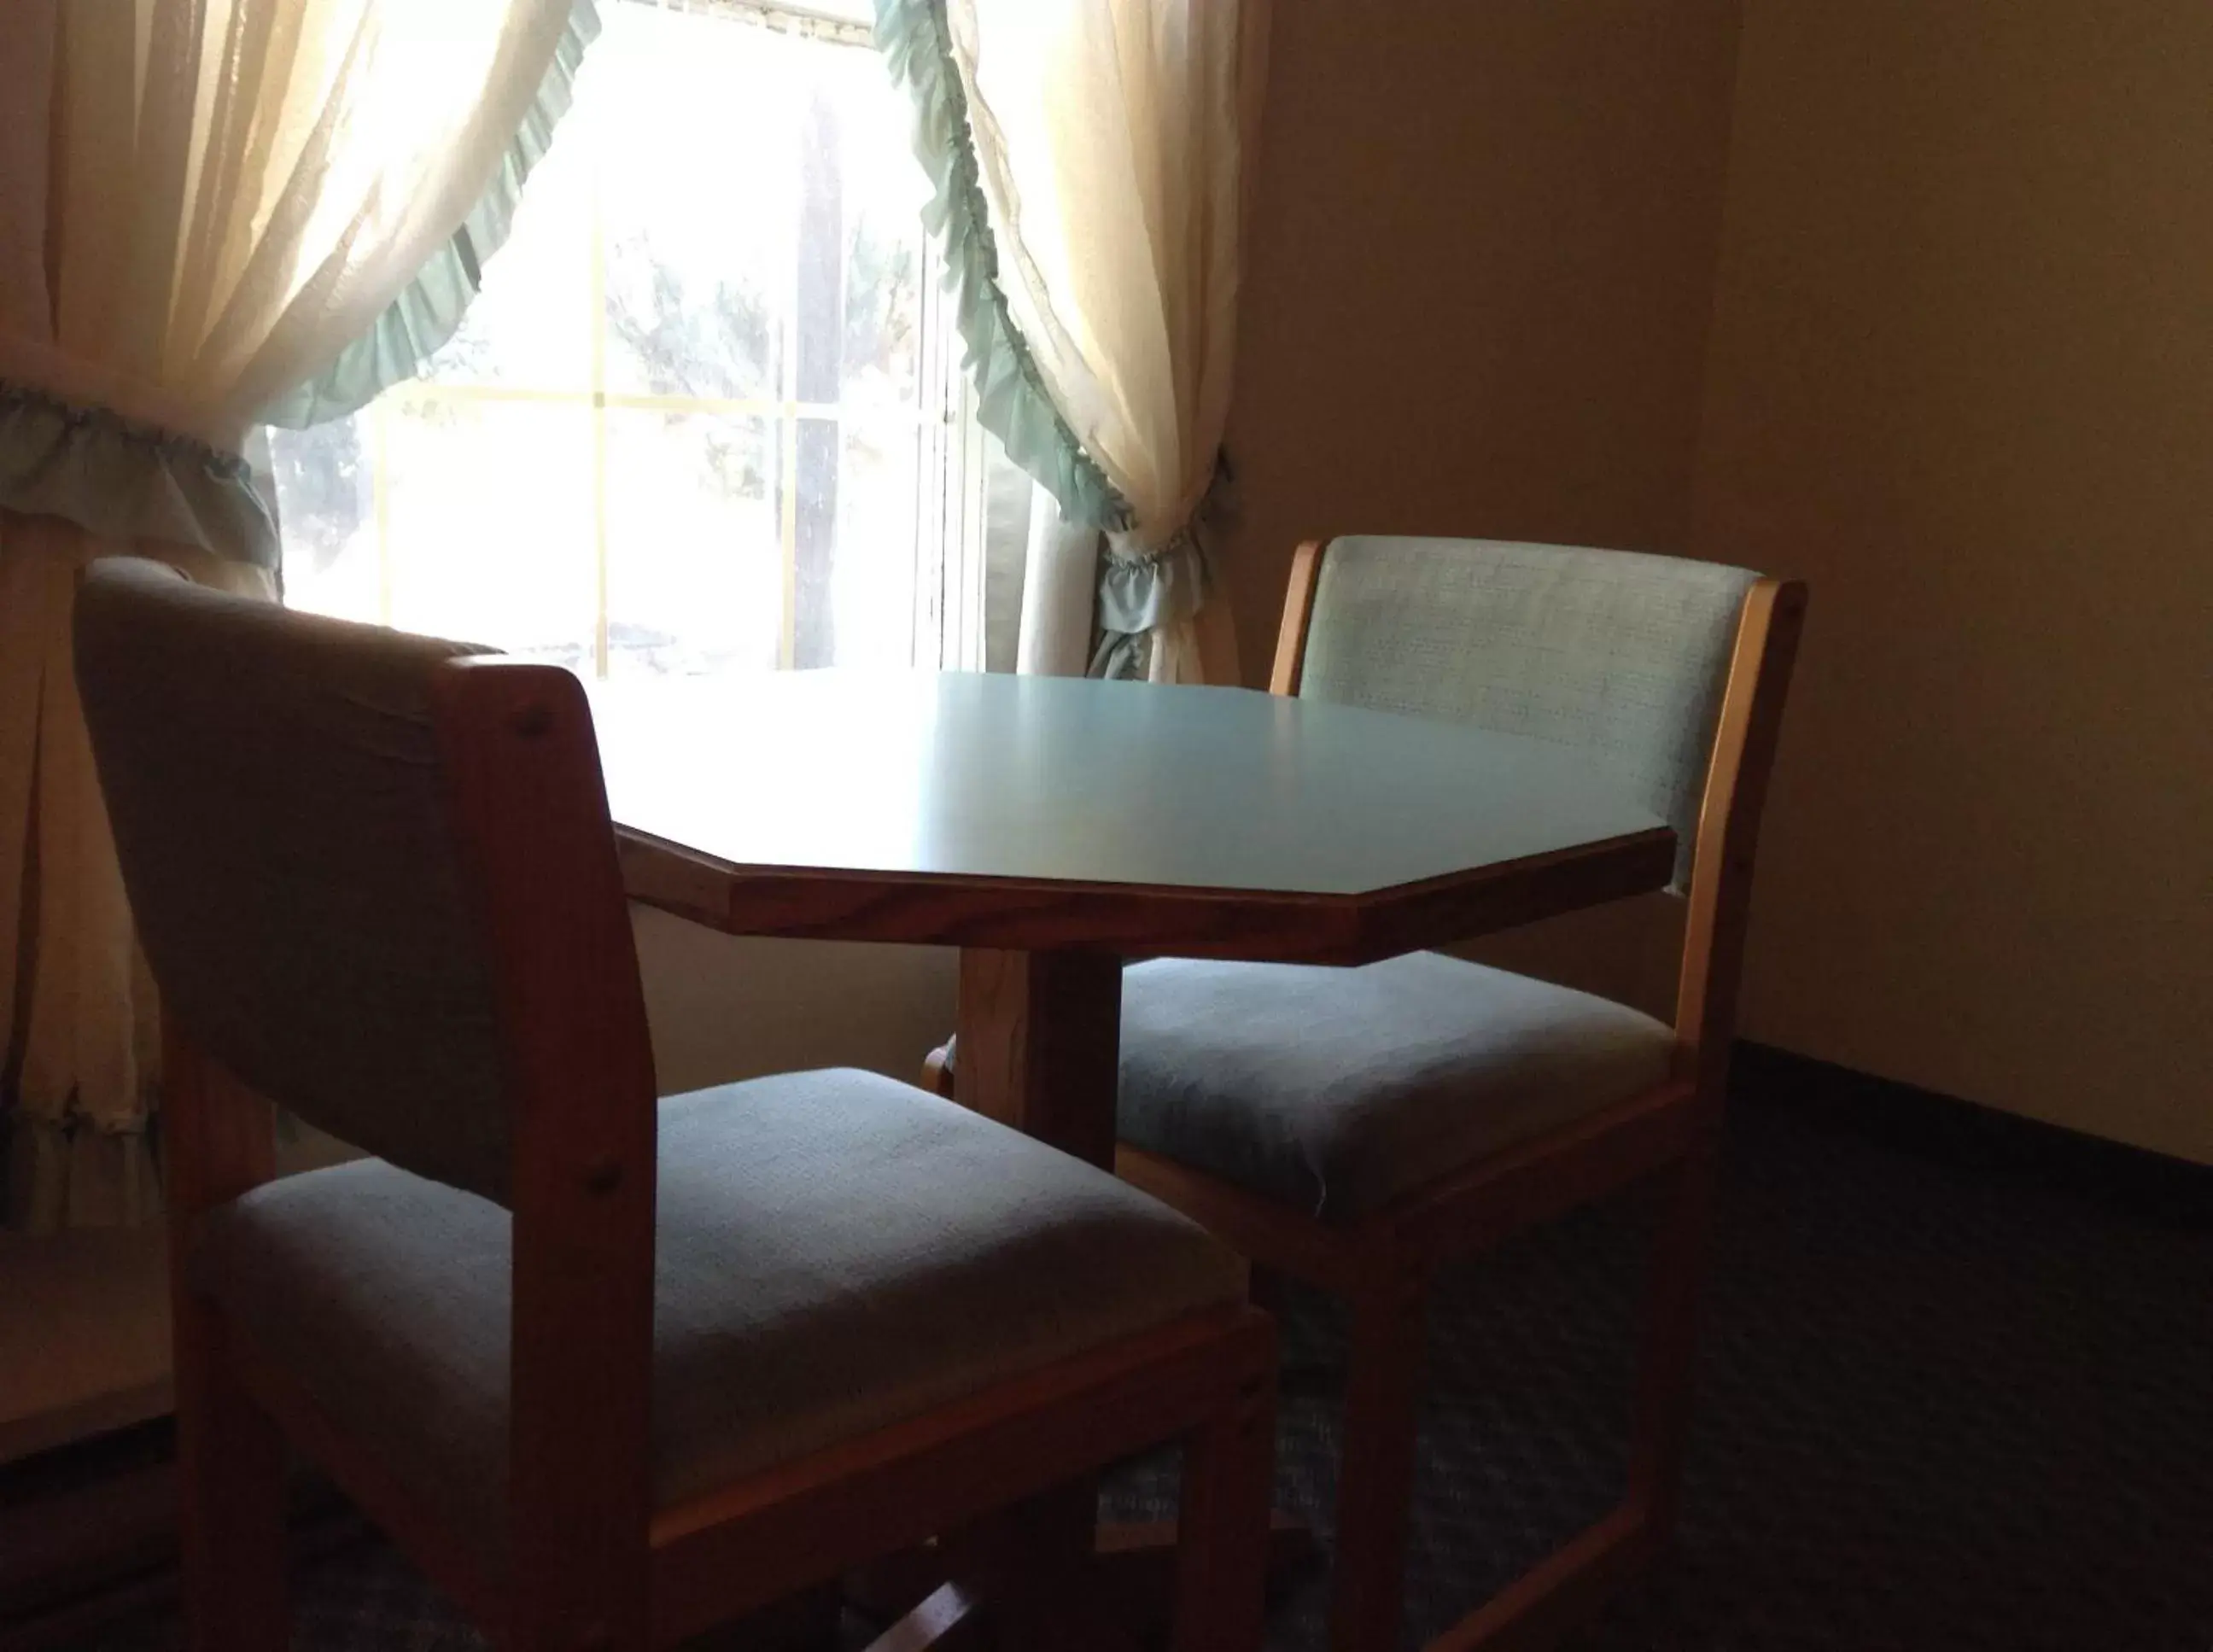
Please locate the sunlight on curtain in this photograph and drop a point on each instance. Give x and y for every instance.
(203, 203)
(240, 187)
(1111, 138)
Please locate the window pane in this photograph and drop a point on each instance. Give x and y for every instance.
(695, 565)
(531, 323)
(489, 520)
(695, 121)
(326, 506)
(701, 417)
(871, 591)
(884, 248)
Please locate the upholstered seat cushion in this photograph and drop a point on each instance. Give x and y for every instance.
(834, 1251)
(1336, 1090)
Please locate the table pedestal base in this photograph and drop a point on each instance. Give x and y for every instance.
(1041, 1044)
(1039, 1050)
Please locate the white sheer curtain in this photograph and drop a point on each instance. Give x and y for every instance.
(203, 203)
(1113, 142)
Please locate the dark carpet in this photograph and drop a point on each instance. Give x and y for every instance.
(1947, 1400)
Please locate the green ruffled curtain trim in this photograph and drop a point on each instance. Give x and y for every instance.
(119, 479)
(1012, 402)
(1140, 594)
(1156, 588)
(426, 313)
(1121, 656)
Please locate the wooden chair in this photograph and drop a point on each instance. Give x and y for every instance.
(1671, 672)
(612, 1371)
(1358, 1129)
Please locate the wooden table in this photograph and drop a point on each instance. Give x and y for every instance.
(1051, 827)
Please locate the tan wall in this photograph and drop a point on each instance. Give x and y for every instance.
(725, 1007)
(1481, 274)
(1962, 380)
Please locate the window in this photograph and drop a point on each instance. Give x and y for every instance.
(707, 413)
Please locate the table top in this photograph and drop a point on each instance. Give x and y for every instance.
(996, 810)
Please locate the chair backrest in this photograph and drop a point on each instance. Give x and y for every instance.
(1667, 671)
(1622, 656)
(284, 817)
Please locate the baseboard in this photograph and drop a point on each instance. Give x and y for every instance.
(1974, 1140)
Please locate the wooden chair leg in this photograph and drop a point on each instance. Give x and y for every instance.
(1662, 1428)
(1376, 1484)
(1574, 1582)
(1222, 1559)
(230, 1478)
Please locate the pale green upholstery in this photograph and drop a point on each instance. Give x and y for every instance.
(835, 1251)
(273, 784)
(1623, 655)
(1336, 1090)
